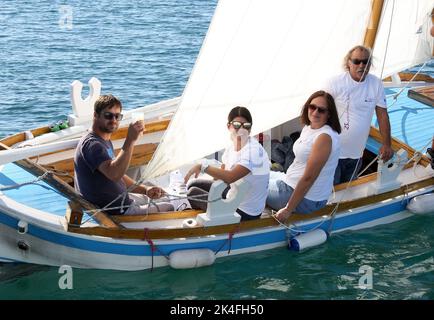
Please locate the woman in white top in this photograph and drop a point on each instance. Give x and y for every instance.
(308, 182)
(244, 158)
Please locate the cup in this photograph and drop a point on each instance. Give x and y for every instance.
(137, 116)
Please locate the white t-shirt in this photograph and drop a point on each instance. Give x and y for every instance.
(253, 157)
(323, 185)
(355, 102)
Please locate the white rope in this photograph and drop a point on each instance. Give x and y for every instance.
(18, 185)
(152, 202)
(166, 198)
(418, 154)
(332, 213)
(288, 227)
(396, 95)
(366, 168)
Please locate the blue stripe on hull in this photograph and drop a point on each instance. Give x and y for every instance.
(353, 220)
(3, 259)
(241, 242)
(141, 250)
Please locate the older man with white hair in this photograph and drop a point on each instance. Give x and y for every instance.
(357, 95)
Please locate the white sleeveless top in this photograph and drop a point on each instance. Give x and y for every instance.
(323, 185)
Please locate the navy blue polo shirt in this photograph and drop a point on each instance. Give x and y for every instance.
(92, 184)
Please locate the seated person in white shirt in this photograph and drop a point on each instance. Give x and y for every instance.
(244, 158)
(308, 182)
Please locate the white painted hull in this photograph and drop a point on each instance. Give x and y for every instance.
(48, 245)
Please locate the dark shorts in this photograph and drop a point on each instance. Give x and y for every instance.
(347, 170)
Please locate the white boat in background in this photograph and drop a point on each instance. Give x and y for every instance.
(268, 56)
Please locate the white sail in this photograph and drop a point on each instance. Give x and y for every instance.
(266, 55)
(403, 38)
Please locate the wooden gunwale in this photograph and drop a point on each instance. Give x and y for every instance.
(243, 226)
(396, 145)
(142, 154)
(122, 133)
(20, 137)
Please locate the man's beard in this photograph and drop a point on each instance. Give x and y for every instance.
(107, 129)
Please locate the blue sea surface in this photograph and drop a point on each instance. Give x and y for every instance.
(143, 52)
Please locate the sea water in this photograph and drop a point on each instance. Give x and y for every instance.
(143, 52)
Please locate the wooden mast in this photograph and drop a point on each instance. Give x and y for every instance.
(371, 31)
(371, 34)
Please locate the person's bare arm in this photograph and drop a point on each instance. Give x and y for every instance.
(116, 169)
(152, 192)
(321, 150)
(228, 176)
(386, 150)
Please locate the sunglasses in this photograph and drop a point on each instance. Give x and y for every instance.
(357, 61)
(321, 110)
(237, 125)
(110, 116)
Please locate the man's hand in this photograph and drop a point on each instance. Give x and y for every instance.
(135, 130)
(195, 170)
(155, 192)
(386, 153)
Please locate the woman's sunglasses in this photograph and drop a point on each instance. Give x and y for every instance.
(110, 116)
(313, 107)
(238, 124)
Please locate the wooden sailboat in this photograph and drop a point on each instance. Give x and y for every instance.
(66, 229)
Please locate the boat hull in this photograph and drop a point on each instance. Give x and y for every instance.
(56, 247)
